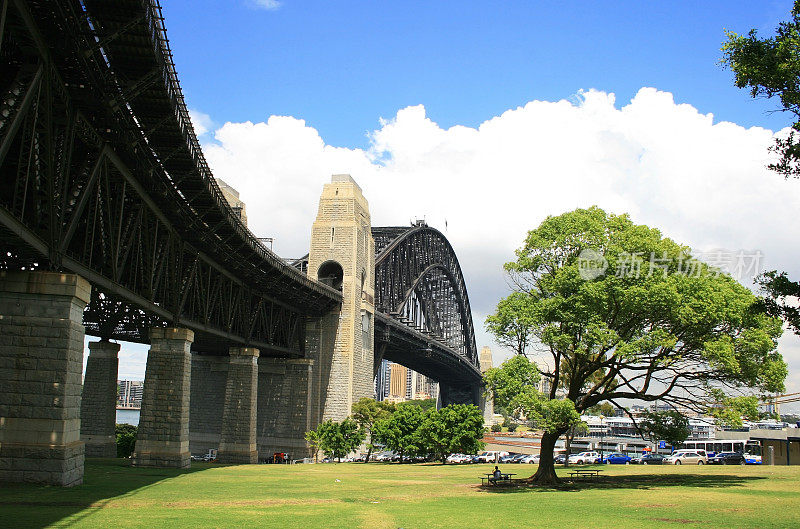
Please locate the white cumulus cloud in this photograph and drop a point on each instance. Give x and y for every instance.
(201, 122)
(265, 4)
(703, 183)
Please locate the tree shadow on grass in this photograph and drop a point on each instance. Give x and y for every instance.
(639, 481)
(27, 505)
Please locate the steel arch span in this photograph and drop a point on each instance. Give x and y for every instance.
(419, 284)
(101, 175)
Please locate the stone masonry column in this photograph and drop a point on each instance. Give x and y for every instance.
(285, 410)
(342, 254)
(98, 402)
(237, 442)
(163, 436)
(41, 359)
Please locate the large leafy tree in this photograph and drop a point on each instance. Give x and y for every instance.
(507, 382)
(126, 439)
(731, 411)
(670, 426)
(457, 428)
(642, 320)
(400, 431)
(770, 68)
(366, 412)
(512, 323)
(337, 439)
(314, 441)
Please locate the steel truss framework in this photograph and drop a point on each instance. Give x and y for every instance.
(419, 286)
(101, 175)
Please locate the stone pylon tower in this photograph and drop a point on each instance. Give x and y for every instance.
(341, 344)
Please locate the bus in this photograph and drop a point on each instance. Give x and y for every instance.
(750, 448)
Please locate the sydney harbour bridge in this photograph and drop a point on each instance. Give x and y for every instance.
(112, 225)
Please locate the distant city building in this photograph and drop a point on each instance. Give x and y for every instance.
(770, 407)
(544, 386)
(486, 359)
(701, 428)
(129, 393)
(232, 196)
(397, 383)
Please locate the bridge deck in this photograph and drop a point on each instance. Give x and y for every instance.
(117, 188)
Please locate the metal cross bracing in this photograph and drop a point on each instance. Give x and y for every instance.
(422, 313)
(101, 175)
(419, 285)
(418, 281)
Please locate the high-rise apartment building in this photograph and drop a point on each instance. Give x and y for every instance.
(398, 383)
(129, 393)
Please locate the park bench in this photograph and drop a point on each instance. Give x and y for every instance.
(491, 480)
(583, 473)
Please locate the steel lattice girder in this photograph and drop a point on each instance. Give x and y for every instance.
(418, 281)
(85, 189)
(414, 349)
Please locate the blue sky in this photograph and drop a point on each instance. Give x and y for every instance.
(342, 65)
(489, 116)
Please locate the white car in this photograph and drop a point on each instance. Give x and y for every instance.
(584, 458)
(488, 457)
(459, 458)
(531, 459)
(687, 457)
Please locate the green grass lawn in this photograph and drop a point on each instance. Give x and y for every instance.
(428, 496)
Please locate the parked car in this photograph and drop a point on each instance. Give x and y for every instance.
(517, 458)
(617, 458)
(509, 458)
(488, 457)
(648, 459)
(459, 458)
(560, 459)
(727, 458)
(687, 457)
(584, 458)
(532, 459)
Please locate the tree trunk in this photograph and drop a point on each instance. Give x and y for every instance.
(546, 475)
(567, 444)
(369, 453)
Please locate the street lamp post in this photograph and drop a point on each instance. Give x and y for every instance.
(602, 434)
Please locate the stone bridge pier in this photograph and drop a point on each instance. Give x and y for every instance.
(272, 402)
(41, 360)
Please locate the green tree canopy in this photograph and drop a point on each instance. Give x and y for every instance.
(512, 322)
(508, 381)
(620, 312)
(730, 411)
(425, 404)
(337, 439)
(670, 426)
(604, 408)
(366, 412)
(457, 428)
(400, 432)
(313, 439)
(126, 439)
(770, 68)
